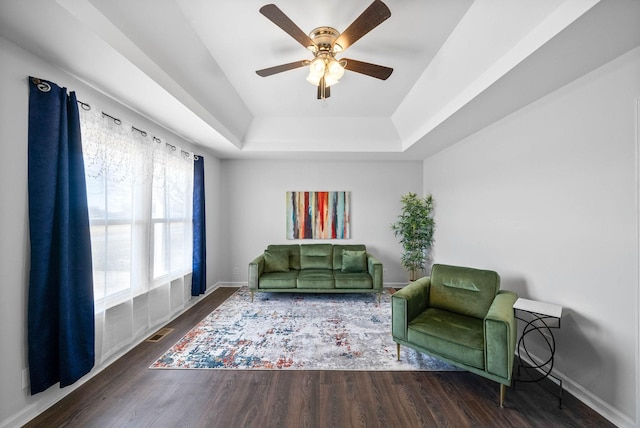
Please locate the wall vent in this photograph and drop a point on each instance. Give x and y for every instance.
(159, 335)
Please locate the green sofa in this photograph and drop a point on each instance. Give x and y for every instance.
(461, 316)
(315, 268)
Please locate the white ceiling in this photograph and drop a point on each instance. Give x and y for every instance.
(189, 65)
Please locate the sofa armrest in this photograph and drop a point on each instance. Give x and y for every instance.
(407, 304)
(256, 268)
(374, 267)
(500, 332)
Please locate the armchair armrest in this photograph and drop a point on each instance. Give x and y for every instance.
(374, 267)
(256, 268)
(407, 304)
(500, 335)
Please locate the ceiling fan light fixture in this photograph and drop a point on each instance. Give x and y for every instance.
(327, 42)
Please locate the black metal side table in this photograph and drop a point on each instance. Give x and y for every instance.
(541, 318)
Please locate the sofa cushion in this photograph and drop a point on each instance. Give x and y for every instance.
(466, 291)
(294, 254)
(337, 253)
(352, 279)
(452, 335)
(276, 260)
(315, 278)
(354, 261)
(278, 279)
(316, 256)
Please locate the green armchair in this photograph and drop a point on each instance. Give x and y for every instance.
(461, 316)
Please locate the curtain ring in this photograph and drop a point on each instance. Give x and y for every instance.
(143, 133)
(115, 119)
(41, 85)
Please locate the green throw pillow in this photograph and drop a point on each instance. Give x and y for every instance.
(276, 260)
(354, 261)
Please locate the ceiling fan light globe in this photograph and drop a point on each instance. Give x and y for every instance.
(317, 67)
(314, 79)
(330, 80)
(335, 69)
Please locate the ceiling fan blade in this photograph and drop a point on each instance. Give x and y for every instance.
(378, 71)
(280, 68)
(275, 15)
(374, 15)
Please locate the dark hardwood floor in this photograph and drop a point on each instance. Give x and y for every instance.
(128, 394)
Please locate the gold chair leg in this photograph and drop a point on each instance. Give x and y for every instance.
(398, 349)
(251, 296)
(503, 390)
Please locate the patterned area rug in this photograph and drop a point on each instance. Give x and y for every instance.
(296, 331)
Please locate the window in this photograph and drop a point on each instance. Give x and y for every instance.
(171, 219)
(139, 192)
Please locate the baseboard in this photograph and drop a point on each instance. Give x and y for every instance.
(607, 411)
(237, 284)
(395, 284)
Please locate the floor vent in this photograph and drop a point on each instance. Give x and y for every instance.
(159, 335)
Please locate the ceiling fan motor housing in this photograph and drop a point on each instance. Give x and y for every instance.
(324, 38)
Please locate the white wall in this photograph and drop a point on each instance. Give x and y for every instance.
(548, 198)
(16, 405)
(255, 200)
(214, 212)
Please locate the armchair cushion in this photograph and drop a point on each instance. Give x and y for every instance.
(455, 336)
(463, 290)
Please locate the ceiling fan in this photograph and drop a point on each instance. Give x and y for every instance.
(325, 43)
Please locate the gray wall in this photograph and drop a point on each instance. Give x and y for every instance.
(255, 203)
(548, 197)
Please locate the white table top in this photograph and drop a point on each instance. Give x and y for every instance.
(542, 308)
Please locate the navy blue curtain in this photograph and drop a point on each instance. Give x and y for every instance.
(61, 332)
(199, 275)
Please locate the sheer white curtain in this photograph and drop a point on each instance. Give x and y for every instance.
(139, 192)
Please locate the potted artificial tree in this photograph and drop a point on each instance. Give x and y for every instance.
(415, 227)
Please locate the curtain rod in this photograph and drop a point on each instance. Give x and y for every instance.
(43, 86)
(117, 121)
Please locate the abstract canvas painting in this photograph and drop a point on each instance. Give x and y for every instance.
(318, 215)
